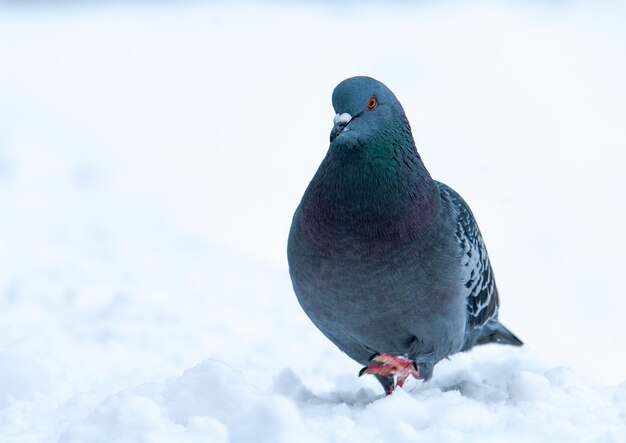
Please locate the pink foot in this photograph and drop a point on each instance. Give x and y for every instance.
(390, 365)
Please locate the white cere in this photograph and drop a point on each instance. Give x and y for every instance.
(342, 118)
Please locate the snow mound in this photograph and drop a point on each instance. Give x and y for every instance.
(503, 398)
(210, 402)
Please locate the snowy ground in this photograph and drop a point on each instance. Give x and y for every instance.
(150, 161)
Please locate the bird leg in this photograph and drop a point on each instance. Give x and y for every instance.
(387, 365)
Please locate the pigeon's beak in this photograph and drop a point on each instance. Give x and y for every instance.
(340, 121)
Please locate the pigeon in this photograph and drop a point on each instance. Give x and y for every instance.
(388, 263)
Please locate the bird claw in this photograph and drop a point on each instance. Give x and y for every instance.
(388, 365)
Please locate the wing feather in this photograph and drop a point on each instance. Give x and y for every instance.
(482, 293)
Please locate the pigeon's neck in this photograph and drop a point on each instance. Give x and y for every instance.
(376, 191)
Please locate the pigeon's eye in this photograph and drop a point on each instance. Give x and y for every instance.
(372, 102)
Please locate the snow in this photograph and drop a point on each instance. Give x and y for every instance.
(509, 401)
(144, 292)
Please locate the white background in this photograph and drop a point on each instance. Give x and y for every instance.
(151, 158)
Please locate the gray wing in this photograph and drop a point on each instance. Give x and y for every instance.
(482, 294)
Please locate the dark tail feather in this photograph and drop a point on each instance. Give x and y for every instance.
(498, 335)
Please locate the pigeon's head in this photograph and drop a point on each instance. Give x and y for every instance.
(366, 110)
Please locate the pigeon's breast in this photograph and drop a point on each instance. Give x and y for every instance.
(376, 294)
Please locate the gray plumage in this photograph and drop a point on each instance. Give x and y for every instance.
(382, 257)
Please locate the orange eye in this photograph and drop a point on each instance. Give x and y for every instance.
(372, 102)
